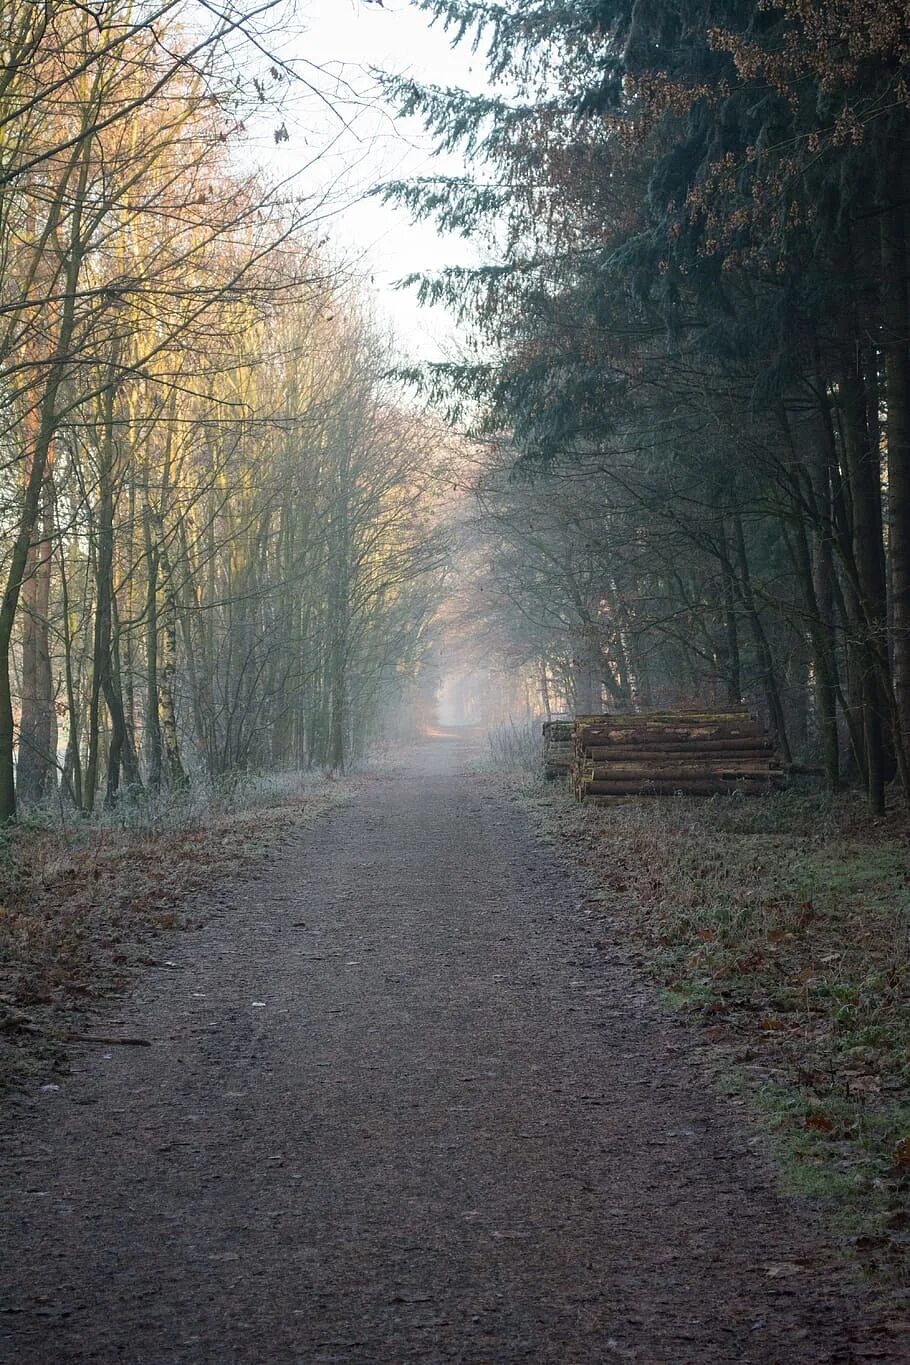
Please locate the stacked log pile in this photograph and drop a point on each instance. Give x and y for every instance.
(698, 753)
(558, 748)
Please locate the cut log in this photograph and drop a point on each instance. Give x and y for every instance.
(658, 753)
(669, 733)
(661, 717)
(558, 747)
(688, 787)
(721, 748)
(624, 772)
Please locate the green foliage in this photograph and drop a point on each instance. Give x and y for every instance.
(457, 204)
(479, 125)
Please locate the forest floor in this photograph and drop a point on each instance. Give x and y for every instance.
(404, 1094)
(780, 927)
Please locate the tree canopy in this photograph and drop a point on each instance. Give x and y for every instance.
(693, 320)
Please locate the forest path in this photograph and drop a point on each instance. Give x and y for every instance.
(399, 1106)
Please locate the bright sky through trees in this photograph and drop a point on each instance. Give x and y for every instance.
(361, 142)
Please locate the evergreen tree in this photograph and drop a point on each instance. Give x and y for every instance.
(699, 217)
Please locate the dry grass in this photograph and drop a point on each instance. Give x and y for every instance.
(782, 926)
(515, 746)
(83, 907)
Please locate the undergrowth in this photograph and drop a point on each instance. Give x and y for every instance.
(514, 746)
(782, 925)
(199, 805)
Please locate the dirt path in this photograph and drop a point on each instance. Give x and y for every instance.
(400, 1107)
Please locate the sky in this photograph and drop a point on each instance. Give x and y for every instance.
(342, 141)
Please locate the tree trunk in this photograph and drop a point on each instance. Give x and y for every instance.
(829, 483)
(896, 337)
(128, 757)
(166, 694)
(36, 761)
(587, 673)
(731, 667)
(152, 735)
(106, 673)
(863, 477)
(72, 763)
(762, 648)
(814, 567)
(338, 703)
(543, 688)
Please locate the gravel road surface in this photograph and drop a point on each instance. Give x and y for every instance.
(403, 1104)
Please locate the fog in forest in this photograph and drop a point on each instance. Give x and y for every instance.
(654, 456)
(454, 681)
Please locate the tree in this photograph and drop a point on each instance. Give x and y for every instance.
(703, 221)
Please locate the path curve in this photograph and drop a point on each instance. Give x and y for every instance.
(401, 1107)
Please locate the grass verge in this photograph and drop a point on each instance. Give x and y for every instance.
(86, 905)
(781, 926)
